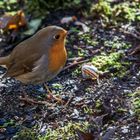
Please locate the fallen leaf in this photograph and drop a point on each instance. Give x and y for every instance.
(9, 22)
(84, 136)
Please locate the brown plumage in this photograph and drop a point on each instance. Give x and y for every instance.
(39, 58)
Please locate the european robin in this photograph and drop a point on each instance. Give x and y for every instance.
(39, 58)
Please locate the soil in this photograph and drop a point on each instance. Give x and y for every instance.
(108, 102)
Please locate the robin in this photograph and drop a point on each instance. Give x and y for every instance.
(39, 58)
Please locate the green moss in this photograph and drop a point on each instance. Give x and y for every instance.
(88, 39)
(116, 44)
(136, 102)
(105, 62)
(76, 72)
(88, 110)
(114, 14)
(98, 104)
(101, 9)
(8, 123)
(64, 133)
(57, 86)
(26, 134)
(123, 12)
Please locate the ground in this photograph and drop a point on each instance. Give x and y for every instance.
(105, 110)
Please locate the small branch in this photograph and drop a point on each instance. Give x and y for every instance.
(31, 101)
(75, 63)
(68, 102)
(129, 33)
(75, 59)
(79, 60)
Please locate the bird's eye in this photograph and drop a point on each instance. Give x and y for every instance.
(56, 37)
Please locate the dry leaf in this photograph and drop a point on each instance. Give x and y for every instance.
(84, 136)
(9, 22)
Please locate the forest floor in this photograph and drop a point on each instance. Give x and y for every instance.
(106, 110)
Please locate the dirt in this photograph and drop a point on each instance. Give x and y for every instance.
(108, 102)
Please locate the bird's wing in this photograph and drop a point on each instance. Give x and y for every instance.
(37, 74)
(24, 56)
(19, 67)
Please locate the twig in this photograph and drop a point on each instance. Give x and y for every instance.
(68, 102)
(75, 63)
(129, 33)
(75, 59)
(79, 60)
(31, 101)
(59, 100)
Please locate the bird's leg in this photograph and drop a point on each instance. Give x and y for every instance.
(59, 100)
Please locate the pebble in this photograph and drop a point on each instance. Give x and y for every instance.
(127, 91)
(3, 85)
(76, 112)
(41, 89)
(43, 130)
(115, 79)
(78, 99)
(125, 129)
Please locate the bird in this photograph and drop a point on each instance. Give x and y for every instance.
(39, 58)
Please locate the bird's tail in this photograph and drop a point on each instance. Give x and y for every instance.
(4, 60)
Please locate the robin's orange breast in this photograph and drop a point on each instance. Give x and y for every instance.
(57, 59)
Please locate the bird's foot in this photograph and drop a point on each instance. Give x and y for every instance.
(57, 99)
(51, 96)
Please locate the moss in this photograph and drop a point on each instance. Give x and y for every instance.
(124, 11)
(116, 44)
(26, 134)
(64, 133)
(98, 104)
(88, 110)
(102, 9)
(106, 62)
(88, 39)
(136, 102)
(8, 123)
(76, 72)
(114, 14)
